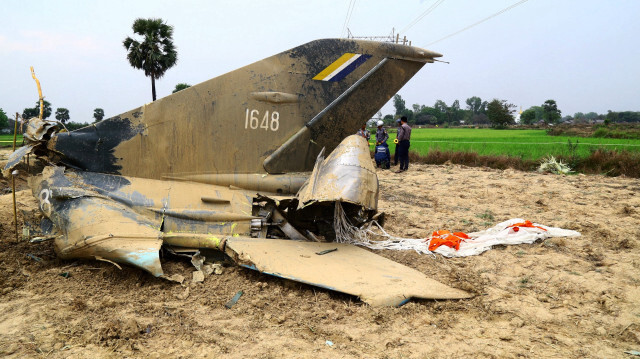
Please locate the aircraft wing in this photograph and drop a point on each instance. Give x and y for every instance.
(349, 269)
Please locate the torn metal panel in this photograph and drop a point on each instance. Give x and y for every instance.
(117, 218)
(15, 158)
(346, 175)
(39, 130)
(94, 226)
(349, 269)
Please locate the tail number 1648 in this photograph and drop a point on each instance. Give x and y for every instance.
(254, 120)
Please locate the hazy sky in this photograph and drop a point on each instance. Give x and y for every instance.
(585, 54)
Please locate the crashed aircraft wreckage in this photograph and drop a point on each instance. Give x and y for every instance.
(236, 164)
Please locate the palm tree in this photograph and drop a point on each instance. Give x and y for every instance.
(156, 53)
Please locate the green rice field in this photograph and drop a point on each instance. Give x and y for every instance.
(7, 140)
(524, 144)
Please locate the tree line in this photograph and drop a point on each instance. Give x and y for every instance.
(61, 115)
(496, 113)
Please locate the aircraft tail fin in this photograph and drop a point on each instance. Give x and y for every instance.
(272, 116)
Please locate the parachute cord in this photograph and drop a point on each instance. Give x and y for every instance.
(371, 235)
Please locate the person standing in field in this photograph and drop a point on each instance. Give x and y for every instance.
(395, 154)
(364, 132)
(382, 155)
(404, 135)
(381, 134)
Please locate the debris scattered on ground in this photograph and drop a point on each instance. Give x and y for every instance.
(215, 268)
(178, 278)
(198, 277)
(551, 165)
(326, 251)
(185, 294)
(198, 261)
(37, 259)
(41, 239)
(542, 300)
(234, 300)
(511, 232)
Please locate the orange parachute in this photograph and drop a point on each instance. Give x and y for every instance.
(526, 223)
(446, 238)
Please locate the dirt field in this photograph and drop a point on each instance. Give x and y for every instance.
(561, 298)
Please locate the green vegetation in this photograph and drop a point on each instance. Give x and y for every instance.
(476, 112)
(500, 113)
(62, 114)
(4, 120)
(614, 132)
(35, 111)
(155, 54)
(180, 87)
(550, 112)
(625, 116)
(98, 114)
(523, 144)
(72, 126)
(523, 150)
(7, 140)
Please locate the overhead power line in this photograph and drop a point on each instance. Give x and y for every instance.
(352, 5)
(425, 13)
(478, 23)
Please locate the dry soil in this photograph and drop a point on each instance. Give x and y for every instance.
(560, 298)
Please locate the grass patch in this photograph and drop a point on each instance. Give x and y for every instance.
(7, 140)
(523, 144)
(606, 162)
(524, 282)
(486, 215)
(524, 150)
(615, 130)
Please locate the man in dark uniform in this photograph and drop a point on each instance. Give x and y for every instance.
(382, 155)
(395, 154)
(404, 135)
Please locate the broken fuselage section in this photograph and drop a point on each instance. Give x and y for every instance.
(127, 220)
(237, 164)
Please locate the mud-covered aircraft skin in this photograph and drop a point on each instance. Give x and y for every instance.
(236, 164)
